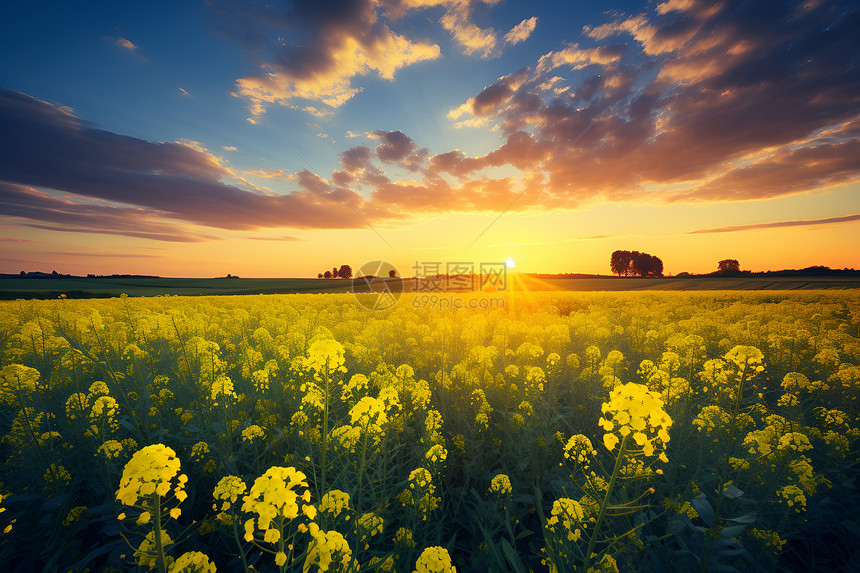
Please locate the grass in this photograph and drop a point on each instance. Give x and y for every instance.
(47, 288)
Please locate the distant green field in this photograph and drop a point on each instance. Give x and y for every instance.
(15, 288)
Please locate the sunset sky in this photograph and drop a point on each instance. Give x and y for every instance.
(280, 139)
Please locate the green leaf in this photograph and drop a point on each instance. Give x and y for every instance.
(512, 557)
(732, 492)
(732, 531)
(704, 509)
(745, 518)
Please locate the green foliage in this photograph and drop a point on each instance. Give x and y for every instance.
(634, 431)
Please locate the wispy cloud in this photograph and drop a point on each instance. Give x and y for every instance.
(522, 31)
(798, 223)
(282, 238)
(517, 245)
(185, 92)
(126, 44)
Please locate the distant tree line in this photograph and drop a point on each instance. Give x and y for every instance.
(344, 272)
(634, 263)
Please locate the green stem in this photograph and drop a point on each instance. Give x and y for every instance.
(604, 504)
(239, 543)
(159, 547)
(323, 487)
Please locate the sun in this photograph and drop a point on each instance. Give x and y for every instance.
(509, 262)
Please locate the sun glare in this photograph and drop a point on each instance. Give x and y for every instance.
(510, 263)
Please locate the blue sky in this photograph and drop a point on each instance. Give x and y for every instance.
(191, 131)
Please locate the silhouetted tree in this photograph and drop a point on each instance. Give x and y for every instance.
(729, 266)
(327, 275)
(636, 263)
(619, 262)
(345, 272)
(319, 275)
(334, 272)
(392, 274)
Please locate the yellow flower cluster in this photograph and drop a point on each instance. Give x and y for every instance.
(16, 378)
(793, 496)
(72, 516)
(276, 495)
(111, 449)
(199, 451)
(222, 389)
(404, 537)
(192, 562)
(334, 502)
(633, 409)
(326, 356)
(327, 548)
(369, 416)
(501, 485)
(434, 560)
(607, 564)
(580, 450)
(420, 492)
(57, 475)
(227, 491)
(567, 514)
(436, 454)
(151, 470)
(370, 524)
(483, 408)
(433, 426)
(146, 554)
(770, 539)
(747, 359)
(252, 432)
(421, 479)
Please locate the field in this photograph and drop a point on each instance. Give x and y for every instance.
(12, 288)
(515, 432)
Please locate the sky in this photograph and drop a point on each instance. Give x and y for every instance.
(281, 139)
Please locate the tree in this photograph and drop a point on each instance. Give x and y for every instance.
(635, 263)
(319, 275)
(327, 275)
(729, 266)
(345, 272)
(392, 274)
(620, 261)
(334, 272)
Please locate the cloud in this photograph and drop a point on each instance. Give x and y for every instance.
(311, 51)
(278, 174)
(285, 238)
(522, 31)
(731, 101)
(185, 92)
(349, 134)
(229, 148)
(126, 44)
(472, 39)
(399, 149)
(40, 210)
(121, 183)
(800, 223)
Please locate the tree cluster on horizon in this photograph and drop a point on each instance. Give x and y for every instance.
(344, 272)
(634, 263)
